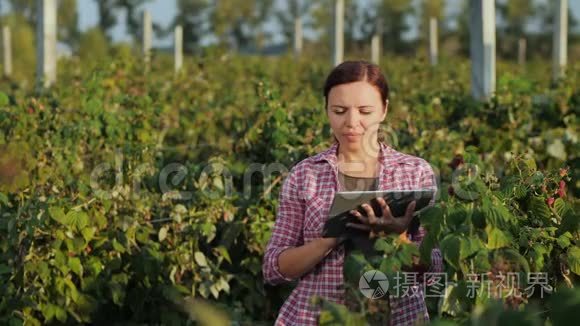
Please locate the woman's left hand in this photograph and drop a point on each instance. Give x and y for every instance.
(387, 222)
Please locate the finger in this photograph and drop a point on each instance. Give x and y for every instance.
(385, 210)
(383, 205)
(387, 215)
(359, 216)
(370, 214)
(410, 211)
(358, 226)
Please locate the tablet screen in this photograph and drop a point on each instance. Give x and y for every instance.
(345, 201)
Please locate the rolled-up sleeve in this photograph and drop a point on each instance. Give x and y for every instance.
(287, 232)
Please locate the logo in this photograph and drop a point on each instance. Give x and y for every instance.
(373, 284)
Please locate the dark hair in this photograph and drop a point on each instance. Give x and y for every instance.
(353, 71)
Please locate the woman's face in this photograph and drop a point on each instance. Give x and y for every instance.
(355, 111)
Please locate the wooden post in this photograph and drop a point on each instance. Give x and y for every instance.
(147, 31)
(338, 40)
(522, 51)
(482, 48)
(7, 46)
(46, 40)
(433, 48)
(560, 39)
(297, 36)
(375, 48)
(376, 41)
(178, 47)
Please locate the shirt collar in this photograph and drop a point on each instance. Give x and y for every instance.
(331, 154)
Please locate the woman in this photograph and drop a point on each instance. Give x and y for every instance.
(356, 99)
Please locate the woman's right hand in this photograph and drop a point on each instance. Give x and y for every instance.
(294, 262)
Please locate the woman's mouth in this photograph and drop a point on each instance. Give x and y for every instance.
(351, 136)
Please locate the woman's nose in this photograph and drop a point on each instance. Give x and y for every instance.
(352, 118)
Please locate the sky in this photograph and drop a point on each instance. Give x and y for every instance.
(163, 11)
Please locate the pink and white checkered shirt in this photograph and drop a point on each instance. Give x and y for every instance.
(304, 204)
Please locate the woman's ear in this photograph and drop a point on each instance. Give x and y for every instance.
(386, 109)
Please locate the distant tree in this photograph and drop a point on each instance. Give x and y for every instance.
(545, 13)
(394, 14)
(514, 15)
(23, 46)
(25, 8)
(107, 17)
(68, 23)
(430, 8)
(392, 17)
(354, 22)
(133, 16)
(286, 16)
(462, 29)
(192, 16)
(93, 45)
(240, 23)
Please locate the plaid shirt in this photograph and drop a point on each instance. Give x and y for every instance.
(304, 203)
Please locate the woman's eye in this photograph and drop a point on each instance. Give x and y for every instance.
(366, 112)
(339, 112)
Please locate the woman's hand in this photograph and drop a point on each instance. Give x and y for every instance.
(385, 223)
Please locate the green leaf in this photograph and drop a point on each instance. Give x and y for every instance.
(88, 234)
(162, 234)
(200, 259)
(531, 164)
(117, 293)
(432, 220)
(384, 246)
(497, 239)
(450, 248)
(556, 149)
(560, 207)
(540, 209)
(224, 253)
(497, 214)
(478, 219)
(118, 246)
(514, 256)
(456, 217)
(353, 265)
(60, 314)
(564, 306)
(57, 214)
(77, 219)
(570, 222)
(5, 269)
(75, 265)
(3, 197)
(205, 313)
(564, 240)
(4, 99)
(574, 259)
(537, 256)
(481, 261)
(470, 247)
(48, 311)
(74, 293)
